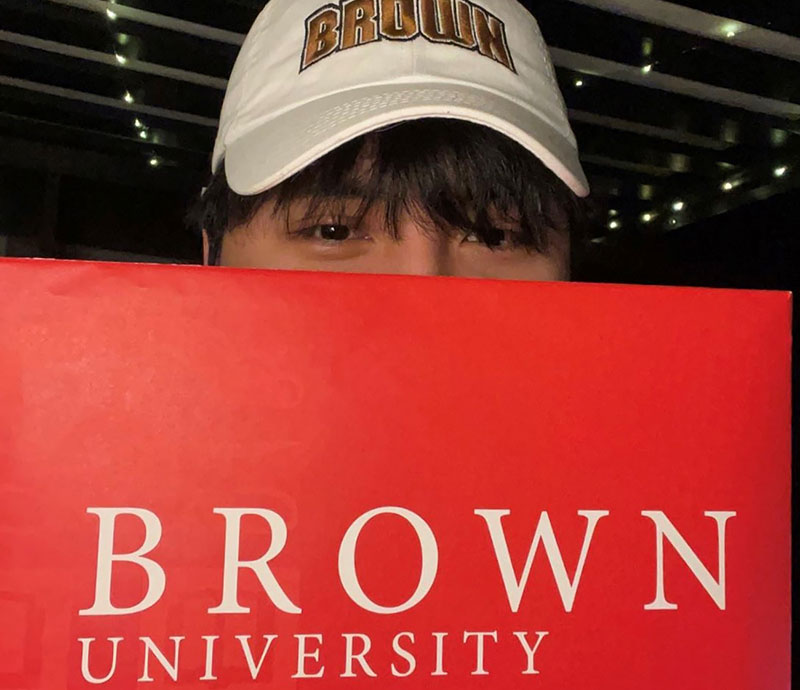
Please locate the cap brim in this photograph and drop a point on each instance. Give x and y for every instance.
(283, 145)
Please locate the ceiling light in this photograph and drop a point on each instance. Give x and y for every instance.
(138, 123)
(730, 30)
(121, 59)
(613, 212)
(647, 217)
(727, 186)
(143, 134)
(673, 221)
(614, 225)
(678, 206)
(778, 137)
(780, 171)
(127, 97)
(647, 69)
(579, 83)
(154, 162)
(679, 162)
(730, 131)
(111, 15)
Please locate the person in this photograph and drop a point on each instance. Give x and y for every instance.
(422, 137)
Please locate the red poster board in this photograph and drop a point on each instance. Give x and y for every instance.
(319, 480)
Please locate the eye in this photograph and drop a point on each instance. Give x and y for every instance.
(494, 238)
(331, 232)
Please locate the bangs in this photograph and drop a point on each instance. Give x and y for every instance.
(452, 177)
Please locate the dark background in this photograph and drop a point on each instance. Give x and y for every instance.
(688, 124)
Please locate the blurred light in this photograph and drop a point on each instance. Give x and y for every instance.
(138, 123)
(123, 39)
(780, 171)
(599, 240)
(678, 206)
(778, 137)
(111, 15)
(647, 69)
(143, 134)
(646, 192)
(127, 97)
(730, 30)
(121, 59)
(727, 186)
(679, 162)
(613, 212)
(673, 221)
(647, 217)
(614, 225)
(730, 131)
(647, 47)
(154, 162)
(579, 83)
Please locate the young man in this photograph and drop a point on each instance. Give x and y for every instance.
(394, 136)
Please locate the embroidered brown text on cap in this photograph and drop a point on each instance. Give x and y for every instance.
(354, 23)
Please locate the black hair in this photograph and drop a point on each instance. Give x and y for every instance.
(452, 175)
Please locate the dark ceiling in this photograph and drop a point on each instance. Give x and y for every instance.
(681, 111)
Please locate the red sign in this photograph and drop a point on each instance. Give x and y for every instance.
(227, 478)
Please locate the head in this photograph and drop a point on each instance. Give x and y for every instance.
(393, 149)
(429, 196)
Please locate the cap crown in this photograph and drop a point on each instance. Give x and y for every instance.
(301, 50)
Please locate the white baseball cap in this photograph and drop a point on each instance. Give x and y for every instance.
(311, 76)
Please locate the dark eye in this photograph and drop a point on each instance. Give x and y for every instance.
(493, 238)
(333, 233)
